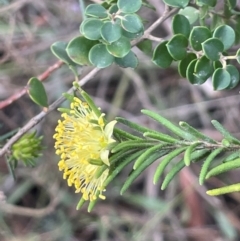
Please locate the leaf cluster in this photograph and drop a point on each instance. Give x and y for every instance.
(201, 49)
(184, 146)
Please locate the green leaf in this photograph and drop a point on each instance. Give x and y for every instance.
(204, 68)
(199, 136)
(213, 48)
(161, 56)
(210, 3)
(129, 6)
(196, 155)
(169, 125)
(78, 50)
(132, 35)
(191, 13)
(132, 144)
(177, 3)
(217, 64)
(132, 23)
(189, 151)
(91, 28)
(221, 79)
(123, 135)
(177, 46)
(232, 156)
(132, 125)
(128, 61)
(166, 160)
(113, 9)
(80, 203)
(111, 32)
(100, 57)
(172, 173)
(198, 35)
(231, 4)
(90, 103)
(224, 167)
(160, 136)
(183, 64)
(226, 34)
(180, 25)
(207, 163)
(37, 92)
(224, 190)
(192, 76)
(141, 168)
(119, 48)
(96, 10)
(125, 160)
(59, 50)
(234, 74)
(151, 150)
(146, 4)
(203, 12)
(225, 133)
(145, 46)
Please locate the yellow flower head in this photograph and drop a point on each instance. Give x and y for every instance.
(82, 141)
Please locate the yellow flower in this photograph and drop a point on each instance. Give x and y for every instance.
(82, 141)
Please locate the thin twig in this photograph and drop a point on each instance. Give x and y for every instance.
(36, 119)
(22, 92)
(166, 14)
(29, 212)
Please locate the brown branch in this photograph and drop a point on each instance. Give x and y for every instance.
(29, 212)
(22, 92)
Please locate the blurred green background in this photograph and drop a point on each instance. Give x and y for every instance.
(40, 206)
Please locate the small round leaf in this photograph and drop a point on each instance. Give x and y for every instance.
(180, 24)
(59, 50)
(78, 50)
(177, 3)
(91, 28)
(183, 64)
(129, 6)
(232, 70)
(177, 46)
(119, 48)
(111, 31)
(145, 46)
(221, 79)
(132, 35)
(132, 23)
(213, 48)
(198, 35)
(204, 68)
(226, 34)
(231, 4)
(210, 3)
(128, 61)
(192, 76)
(113, 9)
(161, 56)
(37, 92)
(217, 64)
(96, 10)
(100, 57)
(191, 13)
